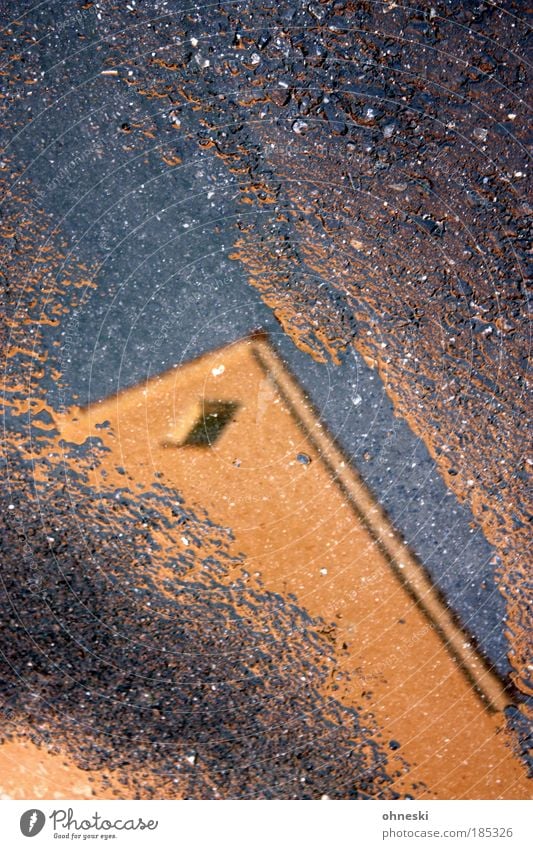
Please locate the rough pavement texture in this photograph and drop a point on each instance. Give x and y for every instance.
(125, 644)
(372, 168)
(174, 684)
(386, 146)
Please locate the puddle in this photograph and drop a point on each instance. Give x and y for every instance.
(310, 531)
(409, 230)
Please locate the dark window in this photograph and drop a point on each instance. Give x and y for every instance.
(213, 419)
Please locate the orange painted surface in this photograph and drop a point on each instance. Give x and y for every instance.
(29, 772)
(298, 531)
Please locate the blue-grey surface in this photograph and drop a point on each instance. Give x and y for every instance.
(159, 238)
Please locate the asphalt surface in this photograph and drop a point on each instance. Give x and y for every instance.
(136, 192)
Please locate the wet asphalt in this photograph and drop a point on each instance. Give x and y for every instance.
(157, 240)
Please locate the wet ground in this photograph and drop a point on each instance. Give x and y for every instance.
(350, 176)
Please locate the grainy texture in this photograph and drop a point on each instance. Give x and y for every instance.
(385, 145)
(380, 153)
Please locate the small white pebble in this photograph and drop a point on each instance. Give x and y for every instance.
(299, 127)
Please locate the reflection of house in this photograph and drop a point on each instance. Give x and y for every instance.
(235, 434)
